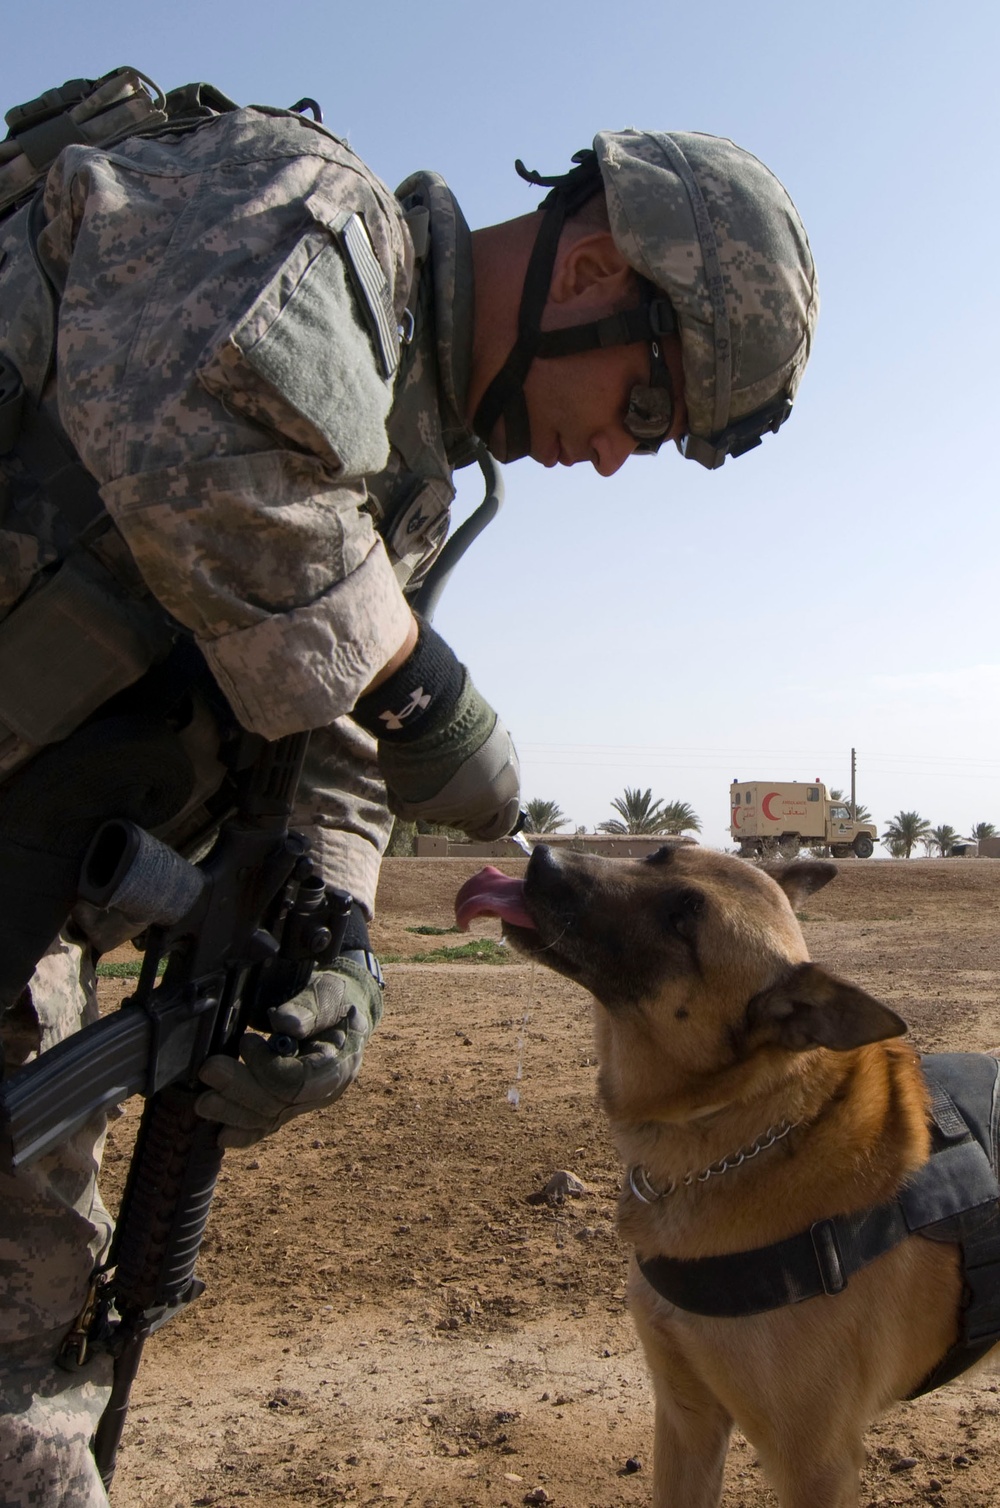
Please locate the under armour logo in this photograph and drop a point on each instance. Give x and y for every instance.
(419, 702)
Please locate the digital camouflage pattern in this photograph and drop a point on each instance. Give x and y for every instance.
(53, 1231)
(268, 553)
(190, 268)
(428, 433)
(245, 488)
(341, 802)
(116, 105)
(769, 294)
(48, 1418)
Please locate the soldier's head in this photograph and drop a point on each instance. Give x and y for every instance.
(665, 290)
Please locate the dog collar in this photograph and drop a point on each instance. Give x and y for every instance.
(649, 1194)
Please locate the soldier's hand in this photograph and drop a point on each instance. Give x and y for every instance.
(443, 752)
(465, 775)
(256, 1094)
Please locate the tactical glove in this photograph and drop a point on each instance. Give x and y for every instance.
(443, 752)
(333, 1017)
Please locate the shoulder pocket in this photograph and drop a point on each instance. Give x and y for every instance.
(304, 361)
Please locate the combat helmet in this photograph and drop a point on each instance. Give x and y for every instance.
(723, 261)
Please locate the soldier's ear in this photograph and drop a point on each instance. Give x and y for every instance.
(591, 271)
(811, 1008)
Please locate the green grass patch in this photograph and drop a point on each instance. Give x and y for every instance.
(480, 950)
(128, 968)
(433, 931)
(477, 950)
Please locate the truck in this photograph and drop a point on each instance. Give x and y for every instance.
(770, 816)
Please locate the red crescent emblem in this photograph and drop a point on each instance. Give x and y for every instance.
(765, 806)
(736, 815)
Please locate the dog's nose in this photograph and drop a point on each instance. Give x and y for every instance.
(543, 862)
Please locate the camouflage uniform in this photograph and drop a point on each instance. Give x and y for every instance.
(342, 797)
(215, 374)
(53, 1230)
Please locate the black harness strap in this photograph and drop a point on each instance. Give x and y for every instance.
(819, 1260)
(954, 1197)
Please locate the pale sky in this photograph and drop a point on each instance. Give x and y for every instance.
(671, 627)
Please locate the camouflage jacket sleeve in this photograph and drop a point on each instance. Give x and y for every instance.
(218, 377)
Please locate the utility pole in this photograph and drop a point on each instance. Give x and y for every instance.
(854, 781)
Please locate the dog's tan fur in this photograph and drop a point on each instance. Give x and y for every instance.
(712, 1027)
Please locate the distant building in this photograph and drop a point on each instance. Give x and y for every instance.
(629, 846)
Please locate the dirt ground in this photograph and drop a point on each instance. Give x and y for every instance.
(389, 1319)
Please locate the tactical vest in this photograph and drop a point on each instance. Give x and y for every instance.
(954, 1197)
(82, 626)
(86, 627)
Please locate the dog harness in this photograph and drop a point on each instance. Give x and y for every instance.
(954, 1197)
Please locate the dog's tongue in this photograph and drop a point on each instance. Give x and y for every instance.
(490, 893)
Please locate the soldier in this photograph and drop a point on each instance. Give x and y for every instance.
(249, 372)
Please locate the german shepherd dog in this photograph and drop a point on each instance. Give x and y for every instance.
(752, 1096)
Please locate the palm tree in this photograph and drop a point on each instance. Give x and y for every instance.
(982, 830)
(639, 813)
(942, 838)
(862, 814)
(681, 817)
(904, 832)
(543, 816)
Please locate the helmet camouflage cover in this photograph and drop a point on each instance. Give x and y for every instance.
(714, 230)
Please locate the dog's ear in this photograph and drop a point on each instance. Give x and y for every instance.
(811, 1008)
(803, 878)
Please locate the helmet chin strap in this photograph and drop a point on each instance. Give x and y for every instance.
(504, 396)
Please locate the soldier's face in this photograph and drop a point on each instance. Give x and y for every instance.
(577, 405)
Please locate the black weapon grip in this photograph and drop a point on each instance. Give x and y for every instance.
(166, 1202)
(159, 1233)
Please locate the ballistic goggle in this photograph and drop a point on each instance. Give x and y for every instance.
(650, 412)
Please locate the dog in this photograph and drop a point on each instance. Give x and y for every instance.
(760, 1105)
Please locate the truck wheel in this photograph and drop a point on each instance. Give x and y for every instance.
(863, 846)
(840, 850)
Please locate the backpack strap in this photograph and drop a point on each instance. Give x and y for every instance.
(94, 112)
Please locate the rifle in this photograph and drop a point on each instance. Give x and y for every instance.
(238, 932)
